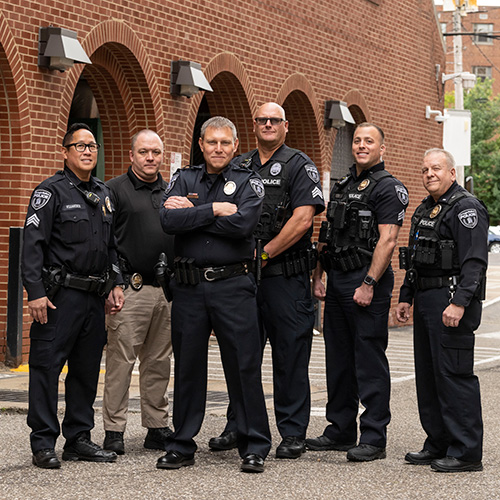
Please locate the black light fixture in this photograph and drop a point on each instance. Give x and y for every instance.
(187, 79)
(59, 49)
(337, 114)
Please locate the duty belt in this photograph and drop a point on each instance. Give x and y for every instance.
(428, 282)
(186, 273)
(85, 283)
(293, 263)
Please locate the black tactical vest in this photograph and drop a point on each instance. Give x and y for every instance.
(428, 251)
(276, 206)
(351, 230)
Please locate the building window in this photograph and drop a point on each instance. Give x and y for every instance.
(443, 27)
(484, 29)
(482, 72)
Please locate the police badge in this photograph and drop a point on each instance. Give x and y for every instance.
(136, 281)
(258, 187)
(435, 211)
(468, 218)
(40, 198)
(229, 188)
(275, 169)
(364, 184)
(402, 194)
(312, 172)
(107, 202)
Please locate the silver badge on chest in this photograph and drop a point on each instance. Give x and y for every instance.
(275, 169)
(229, 188)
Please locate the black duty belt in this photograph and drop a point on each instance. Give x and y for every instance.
(292, 264)
(85, 283)
(137, 281)
(186, 273)
(428, 282)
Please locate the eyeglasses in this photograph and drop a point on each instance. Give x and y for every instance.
(145, 152)
(263, 120)
(81, 147)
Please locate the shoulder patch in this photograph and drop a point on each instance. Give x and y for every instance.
(402, 194)
(468, 218)
(312, 172)
(258, 187)
(172, 182)
(40, 198)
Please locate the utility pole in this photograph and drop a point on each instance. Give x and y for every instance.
(458, 66)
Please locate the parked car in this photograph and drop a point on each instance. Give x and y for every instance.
(493, 242)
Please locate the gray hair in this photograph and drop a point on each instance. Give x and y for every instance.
(450, 161)
(218, 122)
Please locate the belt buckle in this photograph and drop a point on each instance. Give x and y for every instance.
(212, 270)
(208, 270)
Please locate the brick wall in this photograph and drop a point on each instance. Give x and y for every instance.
(379, 57)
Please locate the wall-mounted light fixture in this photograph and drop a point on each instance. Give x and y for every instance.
(59, 48)
(337, 114)
(187, 79)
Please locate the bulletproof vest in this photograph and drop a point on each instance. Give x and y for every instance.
(352, 224)
(429, 252)
(276, 206)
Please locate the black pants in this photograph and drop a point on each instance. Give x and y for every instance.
(229, 308)
(74, 333)
(356, 365)
(286, 314)
(448, 393)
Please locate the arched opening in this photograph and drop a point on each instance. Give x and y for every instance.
(342, 156)
(228, 99)
(113, 97)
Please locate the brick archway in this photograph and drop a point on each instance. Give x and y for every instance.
(357, 106)
(15, 159)
(305, 130)
(125, 89)
(232, 98)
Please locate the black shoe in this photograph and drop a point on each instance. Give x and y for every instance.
(424, 457)
(365, 453)
(226, 441)
(174, 460)
(291, 447)
(323, 443)
(46, 459)
(114, 442)
(452, 464)
(84, 449)
(252, 463)
(156, 438)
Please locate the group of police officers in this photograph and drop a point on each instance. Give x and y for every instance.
(240, 266)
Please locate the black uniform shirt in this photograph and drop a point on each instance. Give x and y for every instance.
(138, 232)
(466, 223)
(212, 240)
(62, 229)
(304, 185)
(389, 198)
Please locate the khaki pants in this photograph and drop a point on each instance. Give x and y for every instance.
(141, 330)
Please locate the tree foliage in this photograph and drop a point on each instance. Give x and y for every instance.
(485, 145)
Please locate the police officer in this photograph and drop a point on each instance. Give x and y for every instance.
(213, 209)
(66, 255)
(142, 329)
(446, 260)
(364, 217)
(293, 198)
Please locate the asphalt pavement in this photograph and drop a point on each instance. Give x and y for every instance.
(316, 475)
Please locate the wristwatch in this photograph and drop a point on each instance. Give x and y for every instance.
(264, 255)
(369, 280)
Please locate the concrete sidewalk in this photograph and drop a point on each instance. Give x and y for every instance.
(316, 475)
